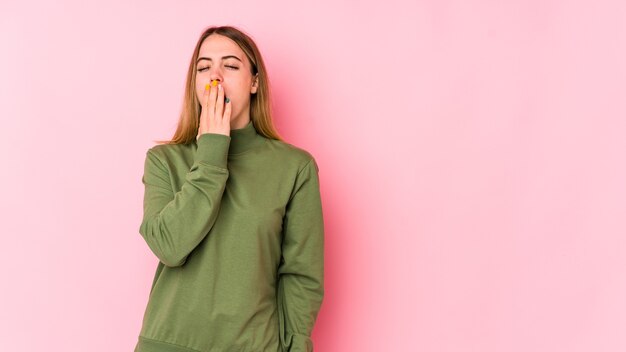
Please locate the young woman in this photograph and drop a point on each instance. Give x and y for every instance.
(234, 215)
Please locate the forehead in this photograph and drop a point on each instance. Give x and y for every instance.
(215, 46)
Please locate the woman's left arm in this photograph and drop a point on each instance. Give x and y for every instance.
(301, 271)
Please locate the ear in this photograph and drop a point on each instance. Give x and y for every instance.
(255, 84)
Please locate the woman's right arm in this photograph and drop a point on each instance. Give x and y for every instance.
(174, 224)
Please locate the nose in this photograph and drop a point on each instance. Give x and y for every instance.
(216, 74)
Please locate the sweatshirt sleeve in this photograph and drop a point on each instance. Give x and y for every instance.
(300, 287)
(174, 224)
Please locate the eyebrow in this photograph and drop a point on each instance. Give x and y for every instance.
(223, 58)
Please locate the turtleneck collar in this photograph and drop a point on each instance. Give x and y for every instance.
(244, 139)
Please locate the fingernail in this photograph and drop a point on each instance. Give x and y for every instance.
(214, 83)
(227, 100)
(207, 86)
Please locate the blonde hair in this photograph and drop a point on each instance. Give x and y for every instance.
(260, 102)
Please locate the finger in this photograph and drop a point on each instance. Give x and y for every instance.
(205, 104)
(205, 99)
(219, 108)
(227, 109)
(212, 97)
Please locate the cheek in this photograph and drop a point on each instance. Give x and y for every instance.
(200, 83)
(199, 91)
(239, 91)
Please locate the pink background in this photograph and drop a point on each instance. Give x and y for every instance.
(471, 153)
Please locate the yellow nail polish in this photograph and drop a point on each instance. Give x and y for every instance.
(207, 86)
(214, 83)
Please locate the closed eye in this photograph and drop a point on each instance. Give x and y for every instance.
(231, 67)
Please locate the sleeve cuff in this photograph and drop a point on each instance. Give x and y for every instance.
(213, 149)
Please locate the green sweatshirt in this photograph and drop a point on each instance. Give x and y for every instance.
(236, 223)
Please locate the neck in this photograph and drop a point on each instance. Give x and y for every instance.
(239, 123)
(241, 120)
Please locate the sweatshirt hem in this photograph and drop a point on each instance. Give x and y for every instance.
(146, 344)
(151, 345)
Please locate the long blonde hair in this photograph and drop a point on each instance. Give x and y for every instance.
(260, 102)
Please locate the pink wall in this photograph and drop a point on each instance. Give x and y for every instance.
(471, 157)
